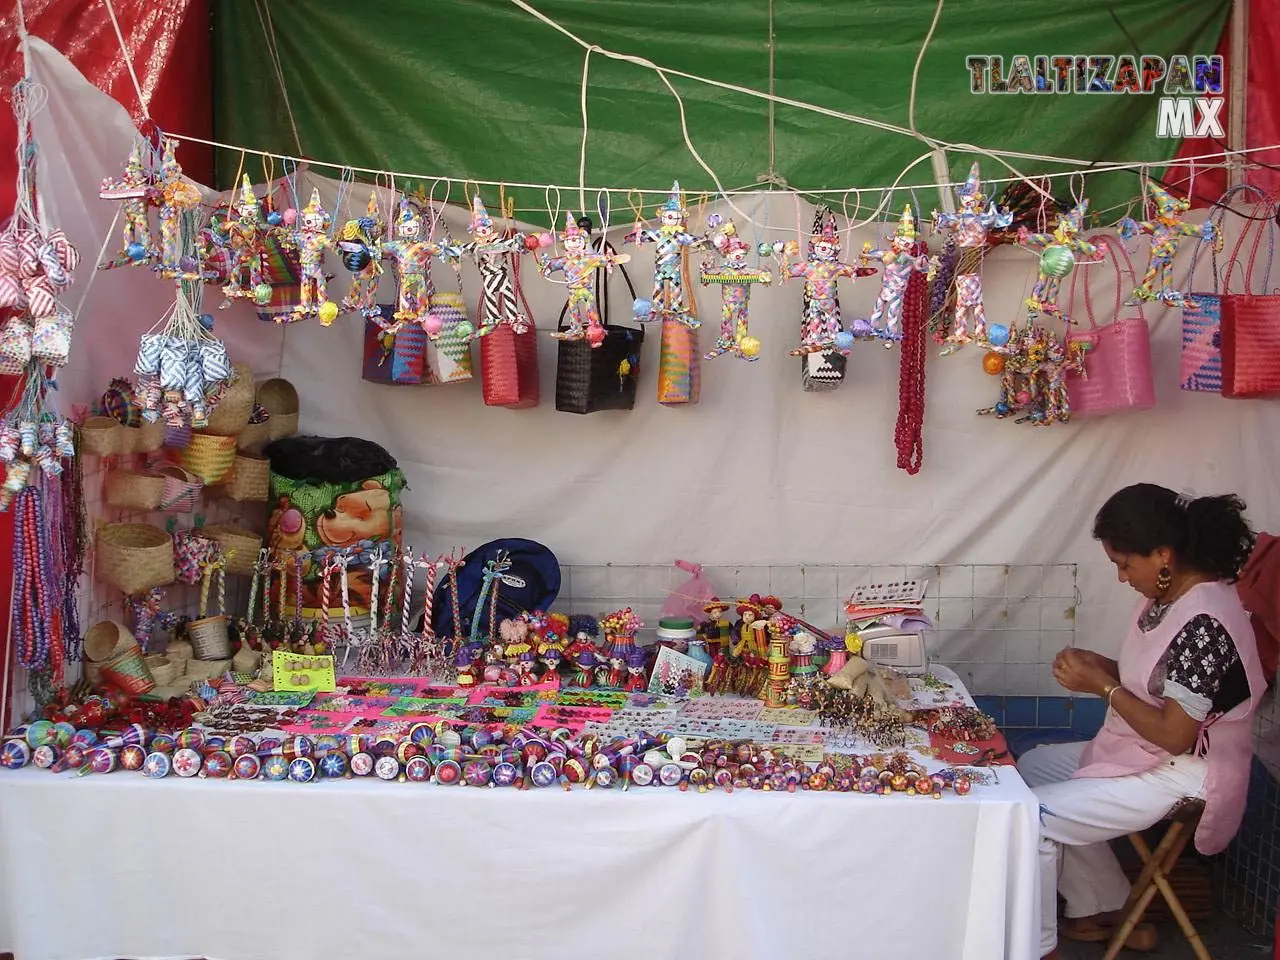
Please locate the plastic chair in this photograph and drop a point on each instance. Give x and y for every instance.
(1157, 866)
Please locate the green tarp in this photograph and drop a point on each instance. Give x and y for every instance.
(482, 89)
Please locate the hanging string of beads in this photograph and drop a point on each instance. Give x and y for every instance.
(908, 434)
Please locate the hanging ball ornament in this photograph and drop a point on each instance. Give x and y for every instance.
(433, 325)
(750, 347)
(532, 242)
(136, 251)
(844, 341)
(714, 220)
(1002, 409)
(274, 218)
(595, 335)
(262, 294)
(206, 321)
(764, 249)
(545, 240)
(328, 312)
(1056, 261)
(463, 329)
(993, 363)
(642, 308)
(997, 334)
(290, 217)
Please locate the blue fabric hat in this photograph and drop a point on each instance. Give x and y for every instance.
(531, 582)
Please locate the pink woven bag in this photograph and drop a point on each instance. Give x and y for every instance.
(1117, 367)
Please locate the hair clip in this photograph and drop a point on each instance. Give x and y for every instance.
(1183, 500)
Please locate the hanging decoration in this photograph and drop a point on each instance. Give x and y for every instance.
(410, 253)
(134, 191)
(176, 196)
(1166, 230)
(900, 264)
(970, 227)
(908, 434)
(578, 267)
(1060, 251)
(359, 245)
(671, 238)
(310, 239)
(735, 280)
(245, 241)
(492, 252)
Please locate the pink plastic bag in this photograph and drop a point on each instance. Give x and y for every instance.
(688, 599)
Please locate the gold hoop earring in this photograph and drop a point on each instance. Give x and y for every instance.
(1164, 579)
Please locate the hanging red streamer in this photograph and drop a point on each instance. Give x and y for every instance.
(908, 435)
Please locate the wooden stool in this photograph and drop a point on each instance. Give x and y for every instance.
(1184, 818)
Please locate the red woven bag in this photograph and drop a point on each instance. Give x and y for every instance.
(509, 360)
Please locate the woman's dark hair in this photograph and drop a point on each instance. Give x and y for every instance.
(1207, 534)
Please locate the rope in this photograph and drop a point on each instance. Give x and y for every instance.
(128, 59)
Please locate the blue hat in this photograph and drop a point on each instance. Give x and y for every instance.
(531, 582)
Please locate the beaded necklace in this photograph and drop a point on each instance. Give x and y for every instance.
(34, 590)
(908, 434)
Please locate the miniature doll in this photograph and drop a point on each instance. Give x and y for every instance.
(490, 250)
(411, 254)
(1166, 230)
(899, 263)
(671, 238)
(1059, 252)
(246, 234)
(735, 280)
(134, 191)
(821, 271)
(578, 267)
(971, 226)
(635, 671)
(360, 246)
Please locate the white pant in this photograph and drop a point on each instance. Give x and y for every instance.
(1078, 817)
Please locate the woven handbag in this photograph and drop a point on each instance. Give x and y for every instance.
(1117, 368)
(1251, 321)
(449, 355)
(509, 360)
(679, 357)
(1200, 369)
(394, 353)
(591, 379)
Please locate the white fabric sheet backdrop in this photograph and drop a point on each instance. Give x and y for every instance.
(757, 472)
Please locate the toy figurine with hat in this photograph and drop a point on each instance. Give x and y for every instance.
(311, 239)
(671, 239)
(970, 226)
(1059, 252)
(735, 279)
(493, 255)
(359, 245)
(899, 264)
(579, 267)
(1166, 230)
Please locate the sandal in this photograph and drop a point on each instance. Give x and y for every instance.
(1143, 938)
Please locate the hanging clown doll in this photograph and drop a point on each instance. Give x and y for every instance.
(899, 265)
(246, 233)
(971, 225)
(410, 253)
(490, 250)
(176, 196)
(311, 239)
(1166, 230)
(821, 329)
(134, 191)
(1059, 252)
(578, 267)
(672, 239)
(735, 280)
(360, 247)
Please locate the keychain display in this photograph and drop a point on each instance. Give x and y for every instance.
(970, 227)
(1167, 229)
(579, 266)
(899, 263)
(671, 239)
(735, 280)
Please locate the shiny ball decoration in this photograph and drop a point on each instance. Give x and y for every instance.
(998, 334)
(189, 265)
(791, 248)
(545, 240)
(750, 347)
(356, 260)
(1023, 398)
(328, 312)
(531, 242)
(262, 294)
(595, 335)
(290, 217)
(463, 329)
(714, 220)
(135, 251)
(641, 308)
(962, 785)
(844, 340)
(206, 321)
(993, 364)
(764, 249)
(274, 218)
(1002, 409)
(1056, 261)
(433, 325)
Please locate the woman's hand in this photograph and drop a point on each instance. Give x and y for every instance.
(1082, 671)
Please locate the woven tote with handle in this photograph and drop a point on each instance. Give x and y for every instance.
(134, 557)
(239, 546)
(1251, 321)
(509, 360)
(1117, 367)
(679, 357)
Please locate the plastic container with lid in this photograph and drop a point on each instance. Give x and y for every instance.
(676, 632)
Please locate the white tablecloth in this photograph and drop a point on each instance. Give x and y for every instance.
(121, 866)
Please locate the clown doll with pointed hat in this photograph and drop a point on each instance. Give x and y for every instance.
(671, 238)
(899, 263)
(821, 329)
(1060, 251)
(246, 234)
(1166, 230)
(735, 279)
(361, 250)
(410, 253)
(132, 190)
(971, 225)
(490, 249)
(579, 265)
(311, 239)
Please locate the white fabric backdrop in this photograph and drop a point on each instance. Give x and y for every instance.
(758, 472)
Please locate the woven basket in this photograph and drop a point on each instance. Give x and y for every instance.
(209, 457)
(145, 438)
(280, 397)
(101, 437)
(175, 438)
(129, 672)
(181, 489)
(255, 436)
(232, 413)
(250, 477)
(163, 670)
(131, 490)
(239, 546)
(134, 557)
(211, 637)
(105, 639)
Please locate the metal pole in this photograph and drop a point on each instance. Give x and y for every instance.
(1238, 71)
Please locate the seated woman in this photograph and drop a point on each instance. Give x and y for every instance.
(1180, 701)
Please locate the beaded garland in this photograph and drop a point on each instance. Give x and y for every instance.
(36, 594)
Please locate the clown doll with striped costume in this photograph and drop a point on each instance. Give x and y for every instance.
(579, 266)
(735, 280)
(971, 225)
(490, 249)
(1166, 229)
